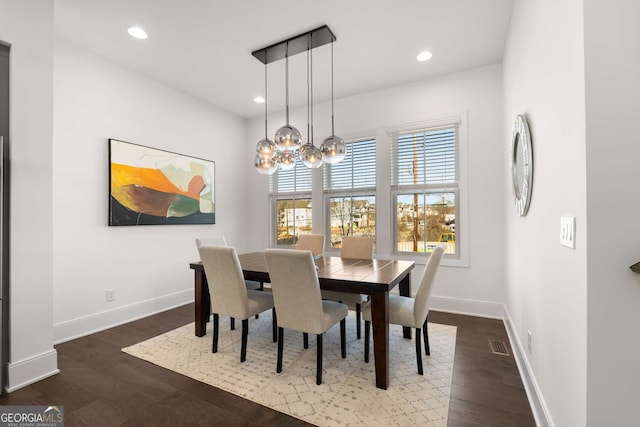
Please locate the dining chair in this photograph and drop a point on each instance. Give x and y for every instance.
(211, 241)
(297, 298)
(353, 247)
(229, 294)
(410, 312)
(221, 241)
(311, 242)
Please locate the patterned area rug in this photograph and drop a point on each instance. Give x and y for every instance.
(347, 396)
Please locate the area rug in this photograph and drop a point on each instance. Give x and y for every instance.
(347, 395)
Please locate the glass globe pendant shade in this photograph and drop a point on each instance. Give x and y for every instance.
(333, 149)
(266, 165)
(311, 156)
(286, 160)
(288, 138)
(266, 147)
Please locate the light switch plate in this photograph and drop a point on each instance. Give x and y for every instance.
(568, 232)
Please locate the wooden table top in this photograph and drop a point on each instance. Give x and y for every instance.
(335, 273)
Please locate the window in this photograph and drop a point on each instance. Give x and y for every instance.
(426, 189)
(350, 192)
(291, 197)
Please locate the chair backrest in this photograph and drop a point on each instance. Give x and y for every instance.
(211, 241)
(358, 247)
(311, 242)
(295, 287)
(226, 282)
(421, 304)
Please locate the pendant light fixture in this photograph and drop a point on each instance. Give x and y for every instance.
(288, 141)
(309, 154)
(265, 159)
(333, 148)
(287, 137)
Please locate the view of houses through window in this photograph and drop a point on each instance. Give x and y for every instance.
(426, 220)
(351, 216)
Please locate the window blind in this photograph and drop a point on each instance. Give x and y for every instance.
(356, 171)
(296, 180)
(426, 156)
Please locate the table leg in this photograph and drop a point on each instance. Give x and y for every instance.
(202, 303)
(405, 290)
(380, 323)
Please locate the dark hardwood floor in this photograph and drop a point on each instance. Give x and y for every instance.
(100, 386)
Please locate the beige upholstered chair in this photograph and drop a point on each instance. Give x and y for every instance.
(221, 241)
(355, 247)
(229, 295)
(296, 293)
(311, 242)
(410, 312)
(211, 241)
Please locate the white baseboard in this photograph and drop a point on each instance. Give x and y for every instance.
(76, 328)
(492, 310)
(538, 405)
(31, 370)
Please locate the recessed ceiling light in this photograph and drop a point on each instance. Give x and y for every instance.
(137, 32)
(425, 55)
(258, 99)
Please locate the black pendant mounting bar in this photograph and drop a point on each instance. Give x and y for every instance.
(297, 44)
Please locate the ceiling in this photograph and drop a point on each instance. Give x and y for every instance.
(203, 47)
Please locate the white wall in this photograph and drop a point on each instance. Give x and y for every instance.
(478, 95)
(32, 356)
(146, 265)
(612, 64)
(546, 283)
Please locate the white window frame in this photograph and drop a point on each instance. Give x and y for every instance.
(461, 257)
(328, 194)
(274, 196)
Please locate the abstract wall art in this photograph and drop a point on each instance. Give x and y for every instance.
(148, 186)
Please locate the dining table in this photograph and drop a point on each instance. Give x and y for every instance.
(373, 277)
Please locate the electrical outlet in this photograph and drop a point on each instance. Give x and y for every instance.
(111, 295)
(529, 341)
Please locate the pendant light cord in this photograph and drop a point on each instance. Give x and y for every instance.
(308, 102)
(333, 132)
(266, 135)
(311, 85)
(286, 72)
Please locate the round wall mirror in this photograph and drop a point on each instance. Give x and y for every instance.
(521, 165)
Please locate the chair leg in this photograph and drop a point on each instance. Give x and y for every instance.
(367, 327)
(274, 324)
(305, 340)
(216, 321)
(280, 345)
(343, 338)
(233, 323)
(418, 351)
(319, 361)
(245, 332)
(427, 351)
(358, 317)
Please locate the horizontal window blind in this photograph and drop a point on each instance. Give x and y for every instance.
(426, 156)
(296, 180)
(357, 170)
